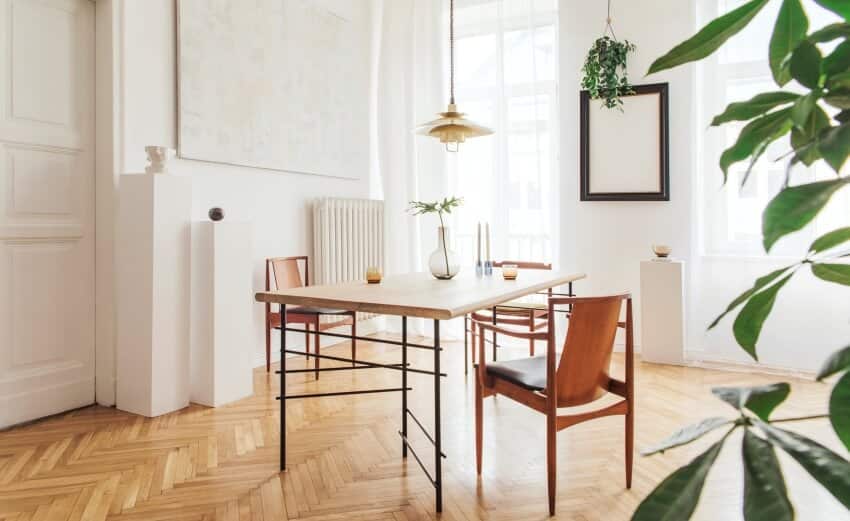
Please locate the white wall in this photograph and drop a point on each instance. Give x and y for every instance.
(608, 239)
(277, 203)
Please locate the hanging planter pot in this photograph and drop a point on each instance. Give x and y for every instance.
(605, 77)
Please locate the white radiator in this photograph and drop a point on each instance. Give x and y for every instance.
(348, 238)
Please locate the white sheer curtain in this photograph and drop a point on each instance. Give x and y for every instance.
(409, 89)
(506, 78)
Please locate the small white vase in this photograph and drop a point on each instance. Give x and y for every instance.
(443, 262)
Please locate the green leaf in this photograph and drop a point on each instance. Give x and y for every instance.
(837, 273)
(756, 106)
(830, 240)
(839, 81)
(827, 467)
(790, 29)
(838, 98)
(795, 206)
(803, 108)
(765, 495)
(838, 61)
(805, 64)
(743, 297)
(834, 146)
(686, 435)
(677, 496)
(839, 7)
(837, 362)
(830, 32)
(748, 323)
(839, 409)
(804, 139)
(710, 37)
(761, 400)
(754, 138)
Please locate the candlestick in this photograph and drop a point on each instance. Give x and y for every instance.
(488, 241)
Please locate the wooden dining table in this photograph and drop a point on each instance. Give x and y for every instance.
(416, 295)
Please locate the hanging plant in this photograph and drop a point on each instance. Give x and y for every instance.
(604, 71)
(605, 76)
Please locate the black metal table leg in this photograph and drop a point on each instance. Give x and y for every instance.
(494, 334)
(404, 386)
(438, 463)
(283, 387)
(466, 344)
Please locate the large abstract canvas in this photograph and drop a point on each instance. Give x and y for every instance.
(275, 84)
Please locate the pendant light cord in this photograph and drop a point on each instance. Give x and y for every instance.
(452, 49)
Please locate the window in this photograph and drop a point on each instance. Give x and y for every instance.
(732, 216)
(506, 63)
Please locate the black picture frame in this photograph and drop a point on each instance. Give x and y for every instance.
(660, 89)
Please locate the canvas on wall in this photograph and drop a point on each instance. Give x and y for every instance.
(625, 151)
(275, 84)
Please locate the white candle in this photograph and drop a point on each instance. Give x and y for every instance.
(488, 241)
(478, 243)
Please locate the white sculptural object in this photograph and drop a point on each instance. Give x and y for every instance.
(157, 159)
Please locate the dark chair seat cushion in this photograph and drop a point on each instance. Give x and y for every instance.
(529, 373)
(316, 311)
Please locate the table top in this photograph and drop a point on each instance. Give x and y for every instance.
(420, 294)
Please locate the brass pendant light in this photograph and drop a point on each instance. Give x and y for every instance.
(452, 128)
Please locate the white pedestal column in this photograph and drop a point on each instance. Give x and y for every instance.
(222, 298)
(152, 286)
(662, 304)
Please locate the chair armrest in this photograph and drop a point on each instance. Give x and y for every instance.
(526, 335)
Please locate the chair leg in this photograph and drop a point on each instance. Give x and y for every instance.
(269, 344)
(474, 335)
(479, 418)
(307, 342)
(630, 449)
(465, 344)
(551, 459)
(353, 340)
(316, 347)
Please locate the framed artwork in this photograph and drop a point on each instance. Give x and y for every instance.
(275, 84)
(625, 153)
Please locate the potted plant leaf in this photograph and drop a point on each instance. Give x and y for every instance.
(815, 119)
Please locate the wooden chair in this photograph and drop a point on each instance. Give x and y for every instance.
(287, 274)
(581, 377)
(525, 314)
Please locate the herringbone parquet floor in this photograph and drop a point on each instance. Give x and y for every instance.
(345, 456)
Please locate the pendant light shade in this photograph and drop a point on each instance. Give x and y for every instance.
(452, 128)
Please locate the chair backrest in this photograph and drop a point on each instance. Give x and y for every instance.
(287, 272)
(583, 373)
(524, 265)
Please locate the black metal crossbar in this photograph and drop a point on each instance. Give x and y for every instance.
(416, 456)
(321, 369)
(424, 430)
(345, 393)
(396, 367)
(363, 338)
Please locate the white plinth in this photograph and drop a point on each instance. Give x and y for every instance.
(222, 299)
(662, 304)
(152, 281)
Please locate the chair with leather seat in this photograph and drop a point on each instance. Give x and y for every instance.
(530, 315)
(286, 273)
(580, 377)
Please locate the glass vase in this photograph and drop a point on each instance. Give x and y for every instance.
(443, 262)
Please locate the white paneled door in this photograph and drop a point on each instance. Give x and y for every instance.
(46, 207)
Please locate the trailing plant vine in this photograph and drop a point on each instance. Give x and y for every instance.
(815, 119)
(606, 68)
(605, 76)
